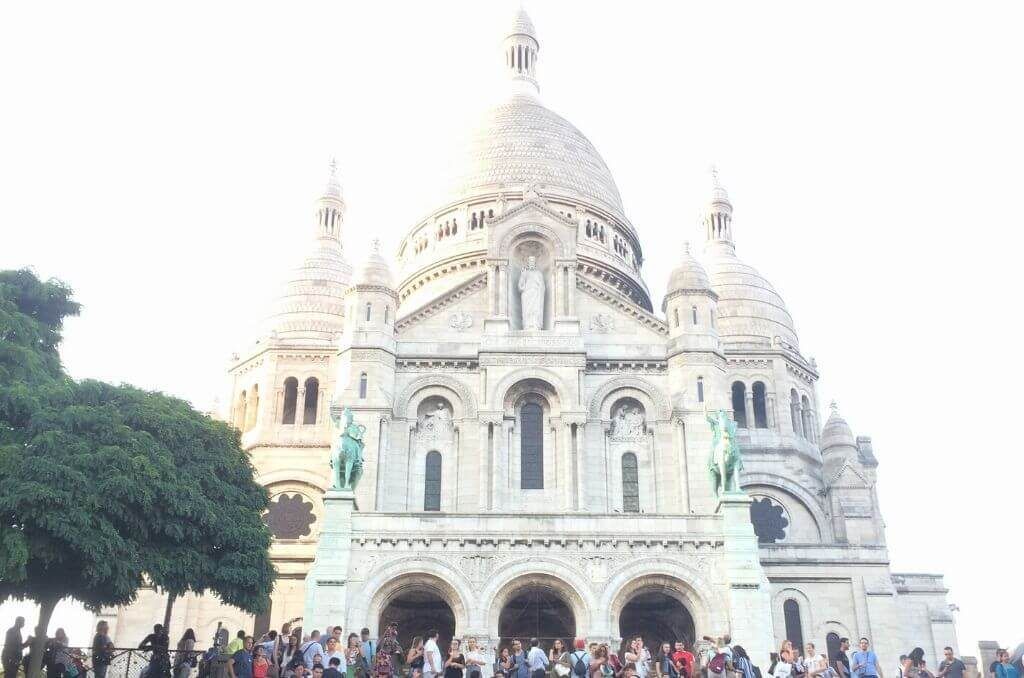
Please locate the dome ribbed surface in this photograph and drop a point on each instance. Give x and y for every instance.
(837, 432)
(749, 308)
(310, 307)
(375, 270)
(688, 275)
(521, 143)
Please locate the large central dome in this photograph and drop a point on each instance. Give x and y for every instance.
(521, 143)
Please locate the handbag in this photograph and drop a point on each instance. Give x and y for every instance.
(561, 670)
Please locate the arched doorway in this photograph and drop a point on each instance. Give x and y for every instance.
(536, 611)
(657, 617)
(417, 611)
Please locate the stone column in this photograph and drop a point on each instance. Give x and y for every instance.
(384, 427)
(748, 408)
(750, 613)
(326, 589)
(486, 465)
(679, 430)
(771, 411)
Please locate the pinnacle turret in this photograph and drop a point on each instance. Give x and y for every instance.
(521, 47)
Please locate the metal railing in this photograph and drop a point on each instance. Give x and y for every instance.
(124, 663)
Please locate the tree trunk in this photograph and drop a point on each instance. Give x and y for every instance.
(46, 607)
(167, 612)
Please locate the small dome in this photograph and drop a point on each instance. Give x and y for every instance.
(689, 274)
(837, 432)
(311, 304)
(375, 271)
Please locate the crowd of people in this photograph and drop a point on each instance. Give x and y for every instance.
(289, 653)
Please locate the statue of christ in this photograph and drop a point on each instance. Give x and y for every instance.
(531, 295)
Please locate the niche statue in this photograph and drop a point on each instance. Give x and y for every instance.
(347, 452)
(531, 295)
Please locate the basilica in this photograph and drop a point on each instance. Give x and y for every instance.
(538, 429)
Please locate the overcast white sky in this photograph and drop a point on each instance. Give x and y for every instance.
(162, 159)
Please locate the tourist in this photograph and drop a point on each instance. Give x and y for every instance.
(1005, 668)
(522, 669)
(260, 663)
(310, 649)
(663, 667)
(333, 669)
(615, 662)
(558, 659)
(158, 644)
(13, 647)
(505, 665)
(456, 662)
(865, 662)
(334, 651)
(535, 659)
(102, 651)
(743, 665)
(814, 664)
(782, 665)
(290, 652)
(414, 657)
(240, 663)
(317, 672)
(841, 662)
(367, 649)
(725, 647)
(432, 662)
(907, 668)
(318, 660)
(185, 657)
(580, 661)
(237, 642)
(923, 671)
(353, 656)
(950, 667)
(476, 661)
(336, 633)
(638, 656)
(600, 662)
(682, 660)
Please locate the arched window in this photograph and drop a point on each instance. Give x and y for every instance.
(369, 308)
(531, 447)
(254, 407)
(291, 396)
(693, 312)
(362, 386)
(794, 631)
(809, 426)
(832, 645)
(794, 412)
(700, 389)
(387, 315)
(760, 406)
(432, 482)
(311, 401)
(675, 313)
(472, 222)
(630, 484)
(240, 411)
(739, 406)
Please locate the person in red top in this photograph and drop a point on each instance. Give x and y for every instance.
(260, 663)
(682, 660)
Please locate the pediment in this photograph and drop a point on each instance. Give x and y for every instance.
(618, 307)
(450, 303)
(848, 476)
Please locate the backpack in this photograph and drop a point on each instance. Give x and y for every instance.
(579, 667)
(717, 663)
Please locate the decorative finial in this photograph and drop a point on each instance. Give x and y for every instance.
(714, 175)
(375, 246)
(834, 406)
(686, 247)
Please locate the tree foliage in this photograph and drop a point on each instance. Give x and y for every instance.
(102, 484)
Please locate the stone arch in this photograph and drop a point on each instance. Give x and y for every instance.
(502, 249)
(407, 574)
(506, 581)
(654, 400)
(806, 612)
(463, 400)
(823, 628)
(501, 390)
(292, 477)
(673, 577)
(750, 481)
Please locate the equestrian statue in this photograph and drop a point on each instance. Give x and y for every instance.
(726, 462)
(347, 451)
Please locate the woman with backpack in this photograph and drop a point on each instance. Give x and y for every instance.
(741, 662)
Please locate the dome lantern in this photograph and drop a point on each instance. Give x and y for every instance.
(521, 47)
(330, 208)
(717, 219)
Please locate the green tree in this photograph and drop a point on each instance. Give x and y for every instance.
(101, 484)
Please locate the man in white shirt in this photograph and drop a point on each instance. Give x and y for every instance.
(432, 662)
(311, 648)
(536, 659)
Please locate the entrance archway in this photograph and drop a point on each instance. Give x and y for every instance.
(536, 611)
(416, 612)
(657, 617)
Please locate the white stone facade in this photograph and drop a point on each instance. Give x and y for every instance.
(615, 503)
